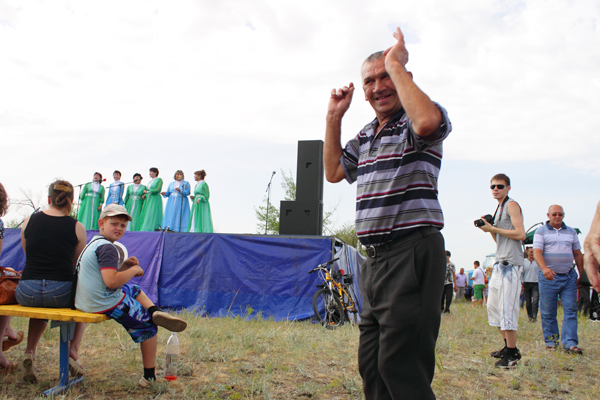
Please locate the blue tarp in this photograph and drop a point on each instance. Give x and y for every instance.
(220, 274)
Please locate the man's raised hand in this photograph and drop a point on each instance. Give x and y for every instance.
(340, 100)
(398, 52)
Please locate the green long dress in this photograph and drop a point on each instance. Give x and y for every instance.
(88, 213)
(134, 204)
(152, 213)
(201, 219)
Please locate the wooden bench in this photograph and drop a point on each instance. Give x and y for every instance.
(65, 318)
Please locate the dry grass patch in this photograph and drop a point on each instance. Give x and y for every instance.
(232, 358)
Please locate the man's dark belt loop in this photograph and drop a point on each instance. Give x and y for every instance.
(372, 251)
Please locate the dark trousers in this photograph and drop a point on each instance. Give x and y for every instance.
(594, 306)
(447, 295)
(400, 321)
(532, 299)
(583, 304)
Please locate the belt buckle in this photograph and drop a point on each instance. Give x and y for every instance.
(371, 251)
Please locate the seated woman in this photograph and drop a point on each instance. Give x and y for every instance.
(52, 242)
(7, 333)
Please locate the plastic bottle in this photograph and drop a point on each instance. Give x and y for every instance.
(172, 358)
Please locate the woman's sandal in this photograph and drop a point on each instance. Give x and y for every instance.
(75, 368)
(574, 350)
(7, 343)
(10, 368)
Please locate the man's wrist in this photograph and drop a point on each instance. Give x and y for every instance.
(333, 118)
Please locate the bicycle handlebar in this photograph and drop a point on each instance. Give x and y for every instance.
(322, 266)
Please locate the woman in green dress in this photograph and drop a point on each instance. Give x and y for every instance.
(91, 200)
(201, 219)
(152, 213)
(134, 201)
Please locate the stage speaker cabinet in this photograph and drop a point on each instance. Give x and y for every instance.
(301, 218)
(309, 174)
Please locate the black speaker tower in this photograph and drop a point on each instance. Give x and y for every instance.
(305, 215)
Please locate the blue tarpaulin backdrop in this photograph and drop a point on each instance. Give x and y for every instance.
(220, 274)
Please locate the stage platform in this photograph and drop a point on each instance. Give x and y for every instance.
(224, 274)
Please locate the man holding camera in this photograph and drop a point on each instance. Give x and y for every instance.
(555, 245)
(507, 231)
(395, 160)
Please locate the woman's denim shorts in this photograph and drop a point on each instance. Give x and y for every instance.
(44, 293)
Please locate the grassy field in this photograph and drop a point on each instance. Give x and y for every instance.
(229, 358)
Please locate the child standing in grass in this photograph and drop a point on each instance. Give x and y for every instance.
(102, 288)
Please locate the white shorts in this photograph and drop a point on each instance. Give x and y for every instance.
(503, 299)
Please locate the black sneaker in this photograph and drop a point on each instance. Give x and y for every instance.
(508, 362)
(503, 352)
(499, 353)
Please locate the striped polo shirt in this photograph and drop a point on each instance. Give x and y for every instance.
(396, 173)
(557, 246)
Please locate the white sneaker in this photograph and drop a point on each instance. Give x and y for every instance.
(145, 383)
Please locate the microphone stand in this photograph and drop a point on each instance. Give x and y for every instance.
(268, 201)
(79, 204)
(180, 205)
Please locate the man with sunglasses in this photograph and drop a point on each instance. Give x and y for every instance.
(395, 161)
(505, 285)
(555, 245)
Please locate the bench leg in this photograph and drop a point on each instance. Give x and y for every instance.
(67, 330)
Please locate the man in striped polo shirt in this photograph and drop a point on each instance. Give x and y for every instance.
(395, 161)
(555, 245)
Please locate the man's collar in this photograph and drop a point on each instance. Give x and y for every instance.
(563, 226)
(399, 114)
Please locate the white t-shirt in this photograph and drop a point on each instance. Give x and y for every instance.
(479, 276)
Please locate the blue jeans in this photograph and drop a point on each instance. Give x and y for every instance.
(44, 293)
(564, 285)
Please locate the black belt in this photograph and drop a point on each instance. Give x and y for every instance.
(420, 232)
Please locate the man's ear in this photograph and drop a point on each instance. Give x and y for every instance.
(100, 223)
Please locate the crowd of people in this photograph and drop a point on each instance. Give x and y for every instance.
(144, 202)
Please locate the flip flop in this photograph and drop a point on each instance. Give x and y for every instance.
(8, 342)
(10, 368)
(75, 368)
(574, 350)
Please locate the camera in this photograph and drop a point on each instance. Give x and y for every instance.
(487, 217)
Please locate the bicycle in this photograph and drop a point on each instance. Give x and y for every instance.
(334, 302)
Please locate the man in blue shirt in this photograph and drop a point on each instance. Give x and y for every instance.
(555, 245)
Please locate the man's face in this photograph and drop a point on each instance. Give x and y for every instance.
(113, 228)
(379, 89)
(497, 192)
(556, 215)
(462, 271)
(530, 253)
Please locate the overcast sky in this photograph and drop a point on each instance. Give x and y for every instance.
(232, 86)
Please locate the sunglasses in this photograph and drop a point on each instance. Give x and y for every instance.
(497, 186)
(557, 214)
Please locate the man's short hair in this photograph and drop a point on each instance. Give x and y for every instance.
(527, 248)
(378, 55)
(501, 177)
(476, 263)
(448, 253)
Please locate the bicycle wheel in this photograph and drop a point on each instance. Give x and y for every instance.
(328, 308)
